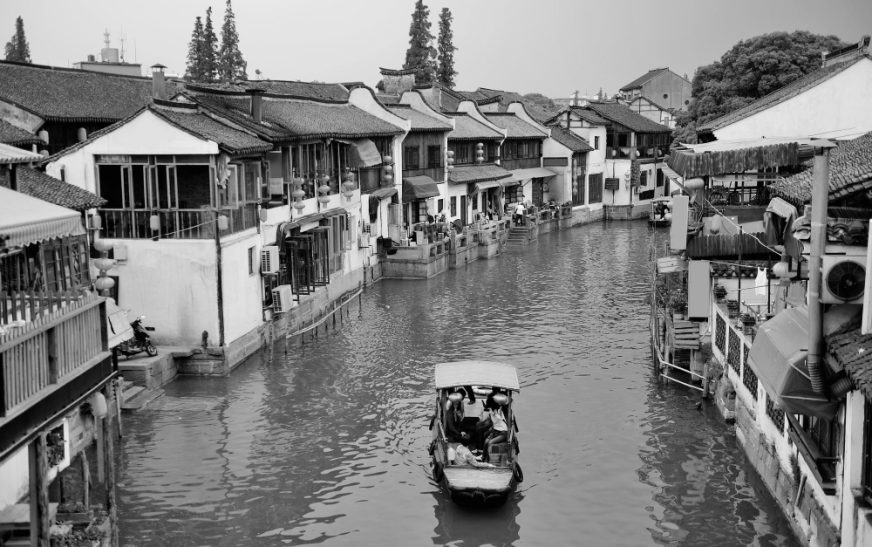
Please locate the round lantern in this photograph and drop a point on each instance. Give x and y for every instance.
(102, 245)
(99, 407)
(154, 223)
(104, 283)
(450, 160)
(781, 270)
(96, 222)
(298, 205)
(298, 193)
(104, 264)
(223, 222)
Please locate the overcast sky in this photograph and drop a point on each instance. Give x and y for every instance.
(549, 46)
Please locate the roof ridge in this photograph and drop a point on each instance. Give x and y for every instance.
(78, 70)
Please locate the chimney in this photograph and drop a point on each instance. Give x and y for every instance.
(256, 103)
(158, 85)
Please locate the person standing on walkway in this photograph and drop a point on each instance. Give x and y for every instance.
(520, 212)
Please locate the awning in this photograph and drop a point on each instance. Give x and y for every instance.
(365, 153)
(778, 356)
(520, 175)
(421, 187)
(739, 156)
(464, 174)
(477, 373)
(25, 220)
(382, 193)
(285, 228)
(12, 154)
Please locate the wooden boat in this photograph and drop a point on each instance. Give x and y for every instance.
(488, 380)
(661, 211)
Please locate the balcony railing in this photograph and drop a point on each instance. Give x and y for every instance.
(50, 350)
(435, 173)
(176, 223)
(520, 163)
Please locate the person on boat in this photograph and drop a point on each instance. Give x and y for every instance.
(464, 456)
(499, 429)
(454, 417)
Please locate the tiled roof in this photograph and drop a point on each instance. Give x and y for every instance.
(230, 139)
(853, 351)
(477, 173)
(388, 99)
(286, 88)
(468, 128)
(622, 115)
(10, 154)
(641, 80)
(74, 95)
(569, 139)
(420, 121)
(589, 116)
(47, 188)
(9, 134)
(850, 173)
(295, 119)
(516, 127)
(792, 89)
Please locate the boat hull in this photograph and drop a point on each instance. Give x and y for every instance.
(479, 487)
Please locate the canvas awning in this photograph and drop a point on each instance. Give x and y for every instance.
(285, 228)
(382, 193)
(477, 373)
(520, 175)
(365, 153)
(739, 156)
(25, 220)
(421, 187)
(778, 356)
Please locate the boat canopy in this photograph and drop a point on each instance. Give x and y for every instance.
(477, 373)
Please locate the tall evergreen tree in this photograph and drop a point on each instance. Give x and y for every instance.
(446, 73)
(194, 71)
(421, 54)
(210, 49)
(231, 66)
(17, 49)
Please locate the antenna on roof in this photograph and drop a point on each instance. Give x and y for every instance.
(121, 33)
(106, 38)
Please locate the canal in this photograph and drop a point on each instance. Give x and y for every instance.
(326, 442)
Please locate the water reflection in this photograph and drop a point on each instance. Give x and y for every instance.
(473, 527)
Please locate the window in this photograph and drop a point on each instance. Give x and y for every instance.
(643, 178)
(461, 153)
(434, 156)
(251, 261)
(440, 205)
(867, 453)
(666, 95)
(596, 142)
(453, 206)
(595, 188)
(411, 158)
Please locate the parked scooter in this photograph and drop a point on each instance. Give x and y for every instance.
(140, 342)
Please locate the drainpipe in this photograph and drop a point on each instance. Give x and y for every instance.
(819, 198)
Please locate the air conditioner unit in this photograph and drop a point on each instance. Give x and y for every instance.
(269, 259)
(843, 279)
(283, 298)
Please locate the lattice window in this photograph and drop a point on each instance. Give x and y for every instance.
(749, 378)
(733, 355)
(775, 414)
(721, 334)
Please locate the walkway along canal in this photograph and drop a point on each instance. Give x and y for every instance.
(326, 442)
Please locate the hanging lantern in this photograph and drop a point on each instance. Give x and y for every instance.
(104, 264)
(348, 186)
(154, 223)
(450, 160)
(96, 222)
(104, 283)
(298, 194)
(223, 222)
(781, 270)
(102, 245)
(323, 199)
(479, 153)
(298, 205)
(263, 215)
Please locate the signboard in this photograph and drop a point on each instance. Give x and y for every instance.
(698, 289)
(678, 230)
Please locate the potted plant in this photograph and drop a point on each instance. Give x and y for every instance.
(720, 292)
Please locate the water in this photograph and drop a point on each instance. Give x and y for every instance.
(327, 442)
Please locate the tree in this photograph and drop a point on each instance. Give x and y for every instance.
(753, 68)
(194, 71)
(446, 73)
(231, 66)
(209, 53)
(421, 55)
(17, 49)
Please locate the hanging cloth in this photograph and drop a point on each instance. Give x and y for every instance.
(761, 282)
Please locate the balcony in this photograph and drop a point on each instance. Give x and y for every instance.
(435, 173)
(520, 163)
(176, 223)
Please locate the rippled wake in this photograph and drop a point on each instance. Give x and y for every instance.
(326, 442)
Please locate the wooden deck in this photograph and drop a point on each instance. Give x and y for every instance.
(474, 478)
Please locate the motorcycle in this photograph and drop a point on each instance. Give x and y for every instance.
(140, 342)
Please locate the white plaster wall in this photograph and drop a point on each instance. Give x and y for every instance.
(15, 478)
(455, 190)
(145, 134)
(473, 111)
(173, 283)
(596, 159)
(840, 107)
(243, 292)
(560, 187)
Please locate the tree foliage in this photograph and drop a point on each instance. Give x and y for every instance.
(209, 51)
(421, 55)
(445, 73)
(231, 65)
(17, 49)
(748, 71)
(194, 72)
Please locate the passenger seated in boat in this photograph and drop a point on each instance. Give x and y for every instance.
(499, 429)
(454, 417)
(463, 456)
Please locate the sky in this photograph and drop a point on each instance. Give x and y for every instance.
(553, 47)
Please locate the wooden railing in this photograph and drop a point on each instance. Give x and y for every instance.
(175, 223)
(435, 173)
(49, 349)
(520, 163)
